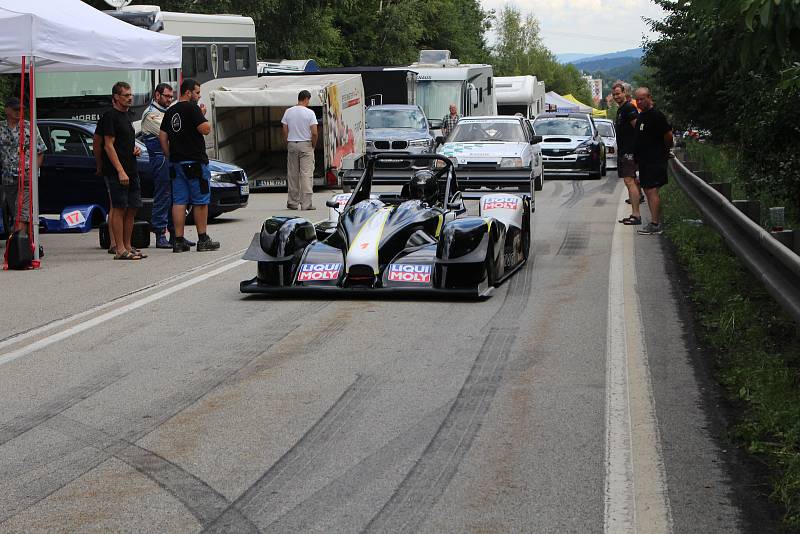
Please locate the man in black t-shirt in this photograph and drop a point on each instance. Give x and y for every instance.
(120, 170)
(626, 138)
(181, 137)
(652, 150)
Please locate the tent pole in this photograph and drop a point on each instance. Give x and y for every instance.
(35, 164)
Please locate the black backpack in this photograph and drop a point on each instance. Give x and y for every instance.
(19, 251)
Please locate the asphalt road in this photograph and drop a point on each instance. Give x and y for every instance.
(152, 396)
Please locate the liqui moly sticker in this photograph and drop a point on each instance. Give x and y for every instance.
(506, 202)
(74, 218)
(341, 199)
(318, 271)
(409, 272)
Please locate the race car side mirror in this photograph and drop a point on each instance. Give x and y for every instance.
(457, 207)
(331, 203)
(536, 139)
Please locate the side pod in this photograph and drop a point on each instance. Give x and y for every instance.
(465, 253)
(278, 248)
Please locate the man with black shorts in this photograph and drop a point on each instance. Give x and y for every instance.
(653, 144)
(626, 138)
(181, 137)
(120, 170)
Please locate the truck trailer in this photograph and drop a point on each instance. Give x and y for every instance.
(247, 130)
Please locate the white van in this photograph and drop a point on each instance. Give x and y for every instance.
(519, 94)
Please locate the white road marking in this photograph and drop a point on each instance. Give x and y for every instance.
(91, 323)
(16, 338)
(636, 498)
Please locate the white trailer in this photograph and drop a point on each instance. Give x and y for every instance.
(519, 94)
(247, 130)
(442, 81)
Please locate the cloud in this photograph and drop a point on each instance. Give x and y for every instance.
(590, 26)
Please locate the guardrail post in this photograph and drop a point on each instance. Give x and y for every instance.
(706, 176)
(723, 188)
(786, 237)
(751, 208)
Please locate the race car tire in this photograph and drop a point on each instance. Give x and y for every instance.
(603, 170)
(538, 183)
(526, 236)
(595, 175)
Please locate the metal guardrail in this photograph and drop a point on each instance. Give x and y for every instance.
(774, 264)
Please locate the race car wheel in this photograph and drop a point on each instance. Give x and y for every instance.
(538, 183)
(526, 236)
(603, 169)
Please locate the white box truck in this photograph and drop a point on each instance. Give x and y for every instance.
(519, 94)
(246, 125)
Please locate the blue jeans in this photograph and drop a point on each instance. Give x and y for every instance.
(162, 187)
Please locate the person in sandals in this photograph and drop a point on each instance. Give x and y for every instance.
(625, 125)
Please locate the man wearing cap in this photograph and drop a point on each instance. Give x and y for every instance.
(9, 157)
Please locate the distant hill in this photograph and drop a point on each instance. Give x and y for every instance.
(569, 58)
(633, 53)
(606, 64)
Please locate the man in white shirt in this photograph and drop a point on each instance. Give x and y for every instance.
(300, 134)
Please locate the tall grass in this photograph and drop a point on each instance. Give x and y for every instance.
(755, 344)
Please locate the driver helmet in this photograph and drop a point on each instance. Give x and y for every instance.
(423, 186)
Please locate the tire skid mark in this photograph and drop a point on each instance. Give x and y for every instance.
(575, 196)
(356, 482)
(266, 493)
(200, 499)
(576, 239)
(170, 408)
(428, 479)
(75, 395)
(559, 187)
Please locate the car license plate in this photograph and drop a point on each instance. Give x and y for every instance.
(274, 183)
(244, 189)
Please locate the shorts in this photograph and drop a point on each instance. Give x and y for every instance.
(626, 167)
(190, 190)
(124, 196)
(652, 174)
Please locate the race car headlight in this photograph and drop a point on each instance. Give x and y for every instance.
(217, 176)
(370, 144)
(583, 149)
(419, 143)
(511, 162)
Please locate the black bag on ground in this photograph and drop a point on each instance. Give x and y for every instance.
(19, 252)
(139, 239)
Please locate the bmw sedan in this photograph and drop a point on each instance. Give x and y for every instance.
(571, 145)
(68, 177)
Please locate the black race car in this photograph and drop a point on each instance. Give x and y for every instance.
(417, 241)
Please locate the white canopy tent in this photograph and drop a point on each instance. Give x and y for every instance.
(552, 98)
(69, 35)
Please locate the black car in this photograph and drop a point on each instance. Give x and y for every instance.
(68, 177)
(571, 145)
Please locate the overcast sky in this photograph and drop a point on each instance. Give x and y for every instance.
(587, 26)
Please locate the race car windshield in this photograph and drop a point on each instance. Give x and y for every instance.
(470, 132)
(562, 126)
(605, 129)
(395, 118)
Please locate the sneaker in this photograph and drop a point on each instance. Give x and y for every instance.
(185, 240)
(180, 245)
(651, 229)
(207, 245)
(162, 241)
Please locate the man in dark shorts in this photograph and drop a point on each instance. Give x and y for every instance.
(653, 144)
(120, 170)
(625, 125)
(181, 137)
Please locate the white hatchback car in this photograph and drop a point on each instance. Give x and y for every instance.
(495, 151)
(609, 134)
